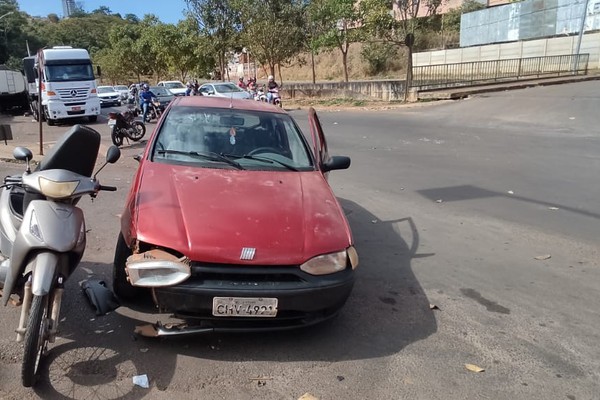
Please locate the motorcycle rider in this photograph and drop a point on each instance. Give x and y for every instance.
(271, 86)
(146, 97)
(241, 84)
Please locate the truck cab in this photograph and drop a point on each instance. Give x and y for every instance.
(68, 84)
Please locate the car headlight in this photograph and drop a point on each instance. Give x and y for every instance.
(57, 190)
(326, 263)
(157, 268)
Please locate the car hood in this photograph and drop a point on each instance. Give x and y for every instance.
(111, 94)
(212, 214)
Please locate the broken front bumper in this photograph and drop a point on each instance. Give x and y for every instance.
(302, 299)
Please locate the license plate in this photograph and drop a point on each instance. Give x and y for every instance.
(244, 307)
(76, 108)
(112, 122)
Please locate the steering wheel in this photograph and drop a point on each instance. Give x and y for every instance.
(265, 149)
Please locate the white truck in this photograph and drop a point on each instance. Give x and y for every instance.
(12, 89)
(68, 84)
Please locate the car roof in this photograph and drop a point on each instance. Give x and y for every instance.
(224, 102)
(105, 86)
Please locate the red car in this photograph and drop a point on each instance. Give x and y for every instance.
(230, 221)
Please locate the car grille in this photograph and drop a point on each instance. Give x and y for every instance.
(78, 93)
(242, 275)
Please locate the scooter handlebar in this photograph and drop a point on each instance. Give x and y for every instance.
(108, 188)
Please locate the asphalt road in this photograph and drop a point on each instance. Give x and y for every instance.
(449, 203)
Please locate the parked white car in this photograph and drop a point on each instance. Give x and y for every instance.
(175, 87)
(108, 96)
(122, 90)
(225, 89)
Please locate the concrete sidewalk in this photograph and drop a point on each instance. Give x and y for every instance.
(25, 132)
(462, 92)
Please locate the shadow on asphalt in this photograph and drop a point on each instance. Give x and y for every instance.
(387, 311)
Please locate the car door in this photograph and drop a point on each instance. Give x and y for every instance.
(318, 137)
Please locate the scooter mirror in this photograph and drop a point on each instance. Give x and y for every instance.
(113, 154)
(22, 153)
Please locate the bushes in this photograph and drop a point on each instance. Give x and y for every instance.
(379, 57)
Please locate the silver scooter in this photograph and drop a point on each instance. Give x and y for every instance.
(42, 235)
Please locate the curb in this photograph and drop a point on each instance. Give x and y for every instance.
(460, 93)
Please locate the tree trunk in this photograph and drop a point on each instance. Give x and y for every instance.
(272, 69)
(312, 61)
(280, 76)
(345, 63)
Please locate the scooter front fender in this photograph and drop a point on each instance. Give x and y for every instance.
(56, 227)
(43, 273)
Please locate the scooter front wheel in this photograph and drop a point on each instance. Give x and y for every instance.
(137, 131)
(35, 339)
(117, 139)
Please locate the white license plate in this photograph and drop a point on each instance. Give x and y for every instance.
(76, 108)
(112, 122)
(244, 307)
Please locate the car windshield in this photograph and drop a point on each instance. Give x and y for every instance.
(174, 85)
(160, 91)
(72, 72)
(105, 89)
(227, 88)
(256, 140)
(120, 87)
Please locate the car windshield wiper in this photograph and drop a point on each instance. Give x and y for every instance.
(263, 159)
(207, 156)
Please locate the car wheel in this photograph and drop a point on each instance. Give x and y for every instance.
(121, 285)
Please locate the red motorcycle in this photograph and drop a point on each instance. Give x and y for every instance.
(123, 125)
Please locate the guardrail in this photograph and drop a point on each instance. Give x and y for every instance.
(429, 77)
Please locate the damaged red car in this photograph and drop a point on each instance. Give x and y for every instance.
(231, 224)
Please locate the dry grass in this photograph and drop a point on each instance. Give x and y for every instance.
(328, 66)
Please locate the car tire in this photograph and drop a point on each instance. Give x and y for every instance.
(93, 118)
(121, 285)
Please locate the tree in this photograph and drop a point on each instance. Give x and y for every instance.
(273, 30)
(342, 21)
(103, 10)
(219, 21)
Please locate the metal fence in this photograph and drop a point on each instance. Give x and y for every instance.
(429, 77)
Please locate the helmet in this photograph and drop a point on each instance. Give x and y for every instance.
(146, 87)
(270, 77)
(241, 78)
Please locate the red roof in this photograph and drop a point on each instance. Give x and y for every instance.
(222, 102)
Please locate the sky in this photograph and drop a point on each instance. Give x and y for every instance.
(169, 11)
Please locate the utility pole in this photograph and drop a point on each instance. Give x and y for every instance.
(581, 29)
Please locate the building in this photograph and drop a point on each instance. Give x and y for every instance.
(69, 7)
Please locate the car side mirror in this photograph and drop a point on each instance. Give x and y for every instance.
(210, 92)
(137, 157)
(336, 162)
(113, 154)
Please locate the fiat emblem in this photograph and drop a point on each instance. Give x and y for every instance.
(248, 253)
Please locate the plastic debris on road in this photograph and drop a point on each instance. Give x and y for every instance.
(543, 257)
(141, 381)
(474, 368)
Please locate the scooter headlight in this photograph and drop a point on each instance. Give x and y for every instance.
(57, 190)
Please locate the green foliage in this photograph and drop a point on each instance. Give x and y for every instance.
(342, 22)
(379, 57)
(273, 30)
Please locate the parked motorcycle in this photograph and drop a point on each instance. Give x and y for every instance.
(43, 235)
(276, 97)
(260, 95)
(123, 125)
